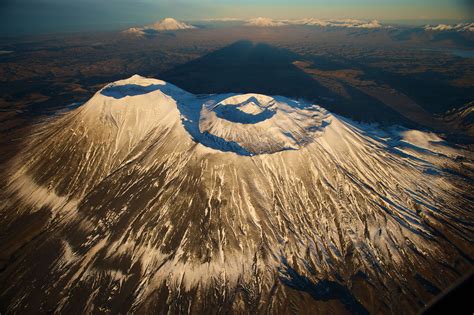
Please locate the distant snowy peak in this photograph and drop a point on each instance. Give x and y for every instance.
(461, 27)
(167, 24)
(347, 23)
(264, 22)
(170, 24)
(135, 31)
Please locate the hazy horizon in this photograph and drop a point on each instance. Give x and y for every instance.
(53, 16)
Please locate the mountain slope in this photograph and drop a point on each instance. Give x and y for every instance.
(151, 199)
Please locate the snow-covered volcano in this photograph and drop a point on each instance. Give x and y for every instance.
(260, 124)
(167, 24)
(150, 199)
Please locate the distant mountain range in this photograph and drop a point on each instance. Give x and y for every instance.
(170, 24)
(264, 22)
(461, 27)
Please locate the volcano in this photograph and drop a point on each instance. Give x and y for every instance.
(150, 199)
(167, 24)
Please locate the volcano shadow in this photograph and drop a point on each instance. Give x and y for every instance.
(246, 67)
(234, 114)
(231, 113)
(122, 91)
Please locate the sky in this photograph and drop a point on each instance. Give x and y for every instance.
(50, 16)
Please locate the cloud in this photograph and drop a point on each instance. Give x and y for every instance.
(223, 19)
(264, 22)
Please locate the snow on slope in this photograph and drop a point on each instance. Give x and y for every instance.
(149, 198)
(261, 124)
